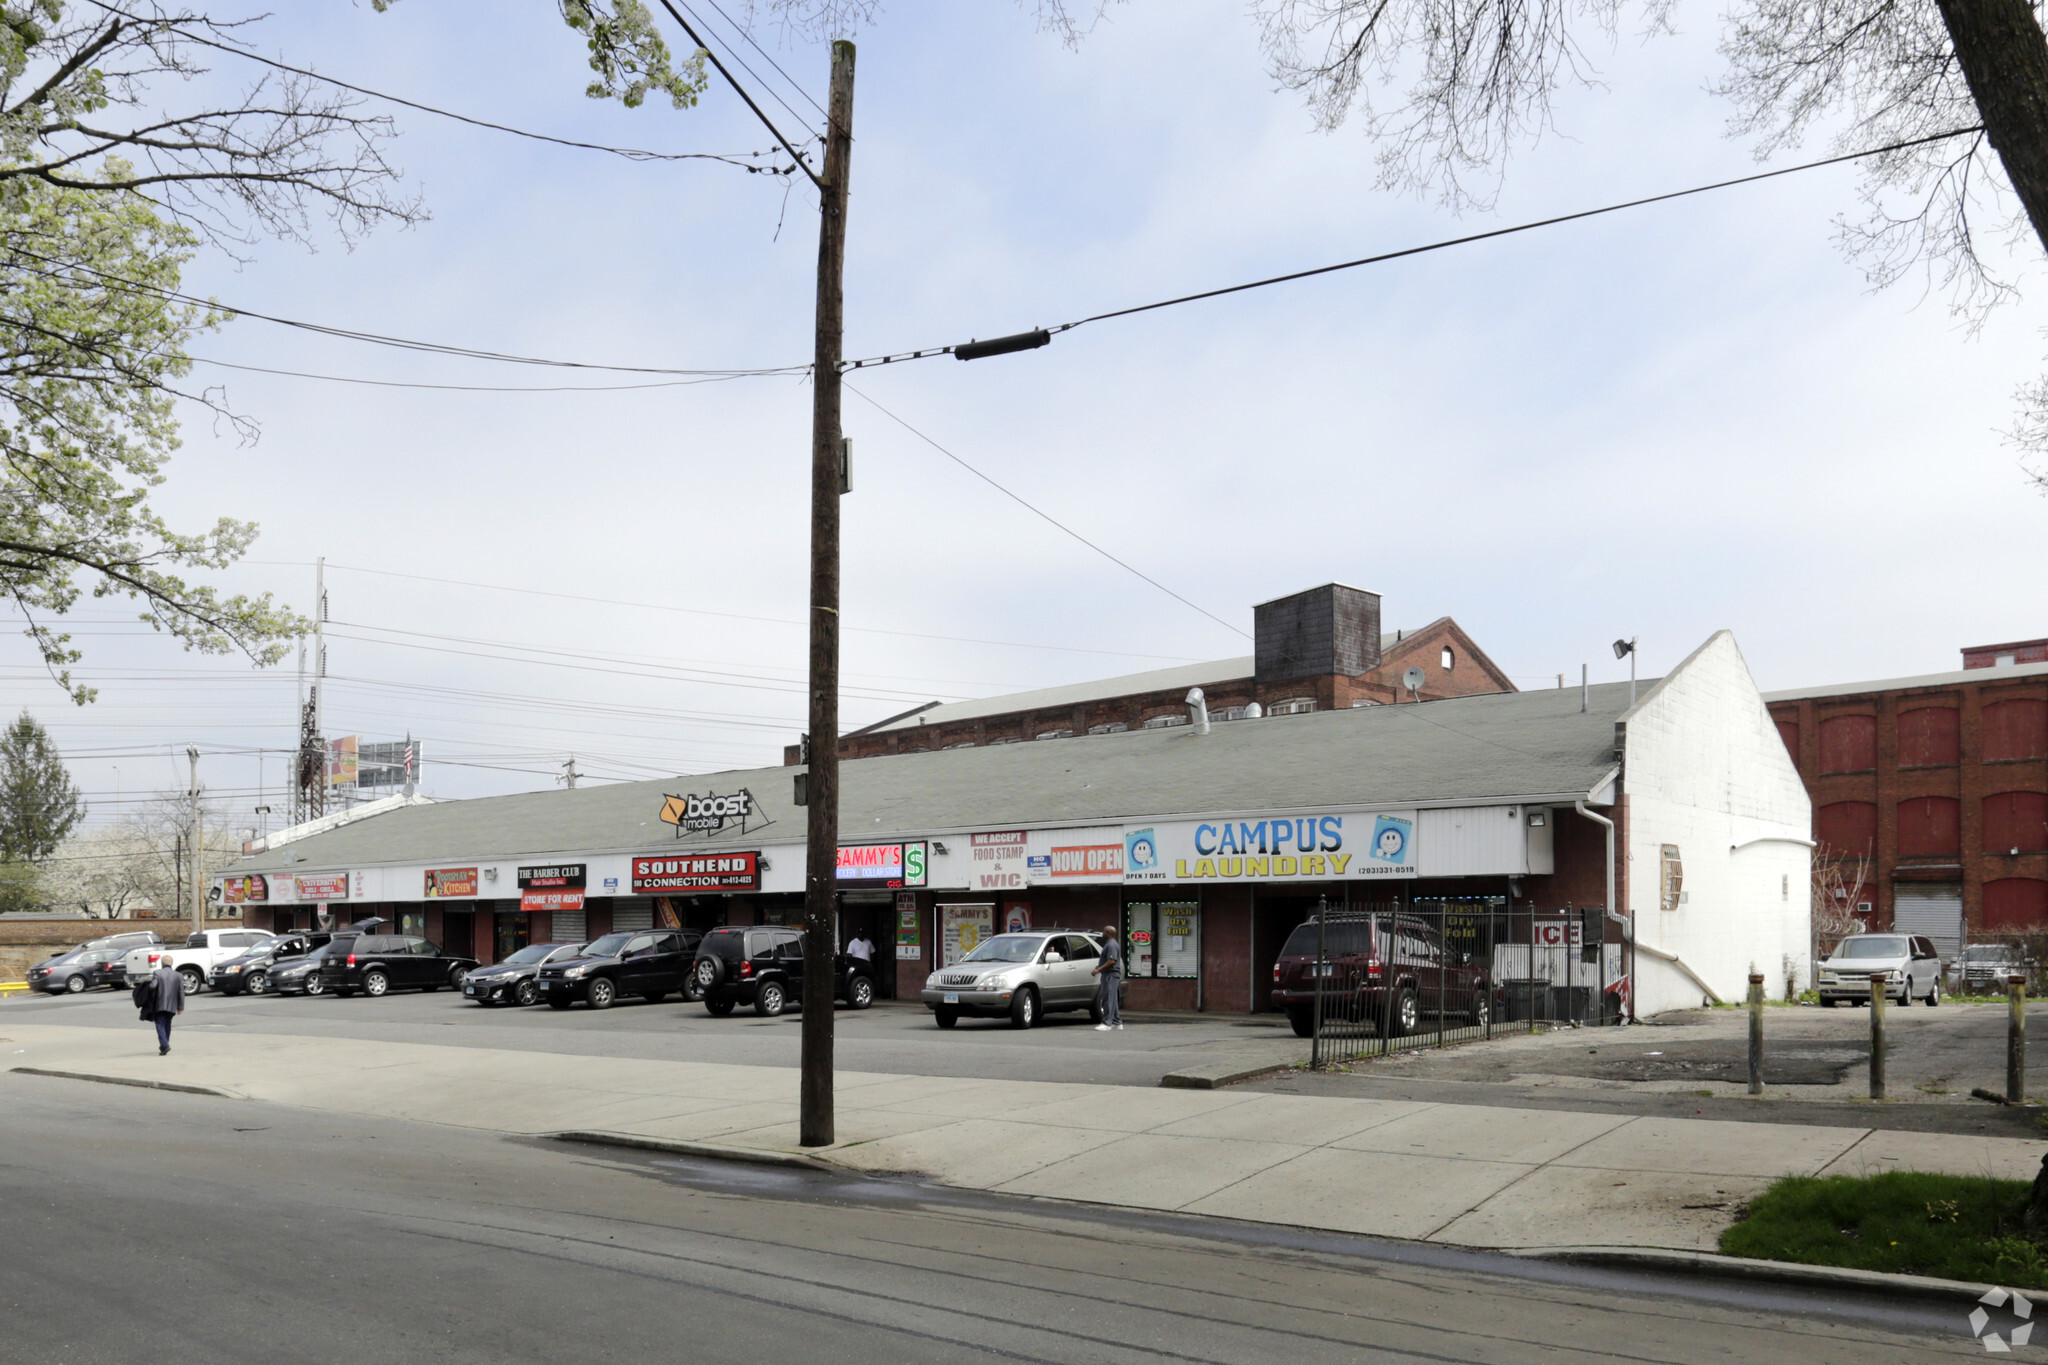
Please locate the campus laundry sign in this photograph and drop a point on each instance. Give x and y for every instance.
(1290, 848)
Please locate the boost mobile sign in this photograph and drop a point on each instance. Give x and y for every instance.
(1291, 848)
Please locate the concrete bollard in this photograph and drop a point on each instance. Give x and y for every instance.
(1877, 1002)
(2016, 1040)
(1756, 1033)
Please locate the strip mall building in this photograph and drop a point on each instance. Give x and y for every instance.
(1203, 845)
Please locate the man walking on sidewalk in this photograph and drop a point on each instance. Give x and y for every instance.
(161, 999)
(1111, 970)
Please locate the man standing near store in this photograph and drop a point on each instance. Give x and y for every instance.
(860, 949)
(1111, 970)
(166, 1001)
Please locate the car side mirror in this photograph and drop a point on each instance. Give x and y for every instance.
(1054, 957)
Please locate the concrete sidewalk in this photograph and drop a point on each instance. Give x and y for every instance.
(1464, 1174)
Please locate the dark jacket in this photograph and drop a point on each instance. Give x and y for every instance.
(167, 989)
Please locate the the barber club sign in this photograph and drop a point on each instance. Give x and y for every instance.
(709, 813)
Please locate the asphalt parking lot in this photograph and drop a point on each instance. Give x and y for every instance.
(1694, 1063)
(891, 1037)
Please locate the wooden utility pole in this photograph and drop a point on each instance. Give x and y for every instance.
(821, 855)
(196, 841)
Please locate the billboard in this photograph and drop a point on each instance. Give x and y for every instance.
(342, 762)
(387, 765)
(238, 890)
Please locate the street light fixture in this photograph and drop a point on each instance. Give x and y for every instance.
(1627, 649)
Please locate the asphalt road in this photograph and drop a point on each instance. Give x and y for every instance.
(891, 1037)
(141, 1224)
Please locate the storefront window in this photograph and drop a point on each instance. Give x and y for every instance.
(1163, 939)
(413, 922)
(511, 935)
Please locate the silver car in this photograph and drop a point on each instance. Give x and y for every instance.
(1024, 976)
(1911, 969)
(1984, 967)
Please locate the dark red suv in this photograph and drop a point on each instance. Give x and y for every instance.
(1386, 969)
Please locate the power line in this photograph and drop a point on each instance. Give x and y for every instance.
(745, 33)
(473, 388)
(741, 91)
(630, 153)
(733, 52)
(1044, 515)
(1029, 340)
(375, 338)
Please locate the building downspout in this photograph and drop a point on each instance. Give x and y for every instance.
(1628, 927)
(1690, 974)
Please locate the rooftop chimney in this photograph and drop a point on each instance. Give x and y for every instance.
(1329, 630)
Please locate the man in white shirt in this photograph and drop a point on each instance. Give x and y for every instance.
(860, 948)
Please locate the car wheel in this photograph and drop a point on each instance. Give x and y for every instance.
(945, 1018)
(1933, 994)
(656, 997)
(691, 995)
(195, 980)
(717, 1006)
(707, 974)
(1024, 1008)
(258, 983)
(527, 993)
(1303, 1021)
(456, 976)
(768, 999)
(860, 992)
(555, 1004)
(1095, 1014)
(375, 983)
(75, 985)
(1407, 1014)
(602, 992)
(315, 986)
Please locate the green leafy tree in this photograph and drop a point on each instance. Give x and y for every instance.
(111, 174)
(39, 807)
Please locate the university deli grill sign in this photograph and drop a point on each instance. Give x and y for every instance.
(698, 872)
(551, 886)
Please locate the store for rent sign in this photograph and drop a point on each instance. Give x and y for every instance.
(1292, 848)
(698, 872)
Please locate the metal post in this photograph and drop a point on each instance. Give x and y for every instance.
(821, 858)
(197, 840)
(2016, 1040)
(1877, 1002)
(1756, 1033)
(1315, 1036)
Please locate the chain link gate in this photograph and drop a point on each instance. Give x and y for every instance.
(1449, 970)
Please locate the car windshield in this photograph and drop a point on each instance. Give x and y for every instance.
(1872, 947)
(1988, 952)
(608, 946)
(538, 953)
(1006, 948)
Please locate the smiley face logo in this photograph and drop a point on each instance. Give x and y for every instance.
(1390, 838)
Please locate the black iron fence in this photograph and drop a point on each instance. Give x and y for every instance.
(1362, 980)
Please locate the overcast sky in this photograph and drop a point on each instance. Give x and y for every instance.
(1658, 423)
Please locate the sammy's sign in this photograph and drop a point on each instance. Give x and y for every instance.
(1353, 845)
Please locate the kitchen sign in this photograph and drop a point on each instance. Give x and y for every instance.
(443, 882)
(551, 876)
(698, 872)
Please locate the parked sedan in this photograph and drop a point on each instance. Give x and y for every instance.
(378, 963)
(251, 972)
(513, 981)
(74, 971)
(300, 975)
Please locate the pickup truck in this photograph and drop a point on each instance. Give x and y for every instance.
(195, 961)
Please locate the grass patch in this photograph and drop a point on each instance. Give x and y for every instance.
(1952, 1227)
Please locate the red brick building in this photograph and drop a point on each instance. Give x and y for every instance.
(1942, 782)
(1319, 650)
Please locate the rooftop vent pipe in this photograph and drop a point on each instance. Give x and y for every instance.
(1198, 710)
(1252, 710)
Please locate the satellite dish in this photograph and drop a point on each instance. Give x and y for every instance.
(1413, 679)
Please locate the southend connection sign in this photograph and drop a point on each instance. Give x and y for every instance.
(698, 872)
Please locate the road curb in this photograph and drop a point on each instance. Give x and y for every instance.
(753, 1155)
(1220, 1075)
(1772, 1272)
(126, 1080)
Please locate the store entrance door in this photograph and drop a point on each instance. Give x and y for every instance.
(876, 924)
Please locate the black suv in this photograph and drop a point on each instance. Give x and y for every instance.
(377, 963)
(765, 968)
(654, 963)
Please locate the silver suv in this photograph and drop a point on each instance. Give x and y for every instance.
(1025, 976)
